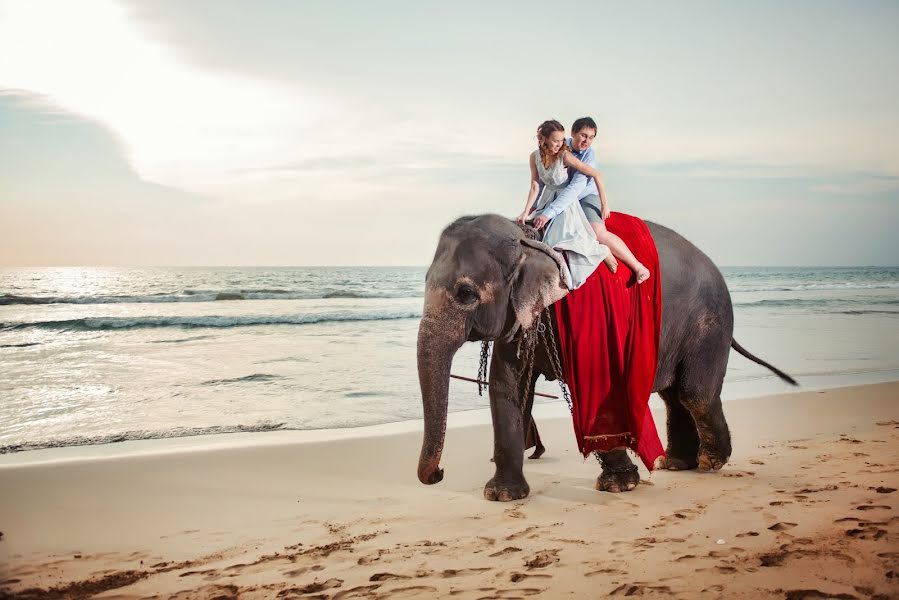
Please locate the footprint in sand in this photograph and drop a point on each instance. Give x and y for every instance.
(514, 513)
(367, 560)
(783, 526)
(726, 570)
(298, 572)
(544, 558)
(872, 507)
(415, 590)
(814, 490)
(627, 589)
(362, 591)
(516, 593)
(318, 586)
(867, 533)
(516, 577)
(748, 534)
(738, 473)
(447, 573)
(506, 550)
(522, 533)
(680, 515)
(605, 571)
(387, 577)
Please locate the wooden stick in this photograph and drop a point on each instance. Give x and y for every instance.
(486, 383)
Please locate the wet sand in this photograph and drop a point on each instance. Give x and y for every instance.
(807, 508)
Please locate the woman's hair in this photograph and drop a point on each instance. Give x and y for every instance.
(543, 132)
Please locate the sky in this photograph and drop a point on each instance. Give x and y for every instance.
(226, 132)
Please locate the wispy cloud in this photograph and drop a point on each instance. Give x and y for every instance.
(863, 186)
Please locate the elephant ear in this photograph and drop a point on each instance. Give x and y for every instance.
(540, 279)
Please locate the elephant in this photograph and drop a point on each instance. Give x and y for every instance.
(489, 282)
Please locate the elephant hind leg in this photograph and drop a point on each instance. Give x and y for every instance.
(714, 435)
(531, 435)
(532, 440)
(683, 439)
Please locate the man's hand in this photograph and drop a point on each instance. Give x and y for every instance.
(521, 218)
(605, 211)
(540, 222)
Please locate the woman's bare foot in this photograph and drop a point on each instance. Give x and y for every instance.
(641, 272)
(611, 262)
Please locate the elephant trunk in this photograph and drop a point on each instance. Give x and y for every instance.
(438, 342)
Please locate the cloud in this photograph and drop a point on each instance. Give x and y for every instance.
(180, 125)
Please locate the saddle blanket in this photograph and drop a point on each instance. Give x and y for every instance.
(609, 332)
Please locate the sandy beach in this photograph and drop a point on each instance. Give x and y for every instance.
(807, 508)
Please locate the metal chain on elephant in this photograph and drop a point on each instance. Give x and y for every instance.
(554, 359)
(529, 341)
(556, 363)
(482, 367)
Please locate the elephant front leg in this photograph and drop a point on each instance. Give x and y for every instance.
(507, 410)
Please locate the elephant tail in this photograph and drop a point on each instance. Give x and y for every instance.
(736, 346)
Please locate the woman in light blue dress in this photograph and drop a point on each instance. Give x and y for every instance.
(570, 231)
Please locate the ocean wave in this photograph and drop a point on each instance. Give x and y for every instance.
(206, 296)
(801, 287)
(255, 377)
(117, 323)
(177, 432)
(182, 340)
(836, 304)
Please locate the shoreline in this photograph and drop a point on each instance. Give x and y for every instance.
(550, 409)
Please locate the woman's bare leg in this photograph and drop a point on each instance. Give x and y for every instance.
(620, 249)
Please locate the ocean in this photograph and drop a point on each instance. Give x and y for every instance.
(96, 355)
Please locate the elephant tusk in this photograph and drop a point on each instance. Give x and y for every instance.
(488, 383)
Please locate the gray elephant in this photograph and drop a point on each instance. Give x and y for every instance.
(488, 281)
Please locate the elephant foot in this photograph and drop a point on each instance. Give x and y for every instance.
(710, 462)
(674, 463)
(618, 480)
(496, 491)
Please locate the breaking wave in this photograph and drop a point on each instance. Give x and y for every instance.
(119, 323)
(177, 432)
(809, 287)
(834, 305)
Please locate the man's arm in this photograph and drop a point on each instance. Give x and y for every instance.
(572, 191)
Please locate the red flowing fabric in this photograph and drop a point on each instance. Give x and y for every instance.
(609, 333)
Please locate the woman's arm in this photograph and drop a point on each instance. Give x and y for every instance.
(532, 192)
(571, 161)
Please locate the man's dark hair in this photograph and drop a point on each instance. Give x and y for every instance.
(583, 122)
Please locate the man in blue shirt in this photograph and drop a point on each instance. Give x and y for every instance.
(592, 196)
(580, 187)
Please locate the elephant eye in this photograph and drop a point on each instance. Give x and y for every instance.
(466, 294)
